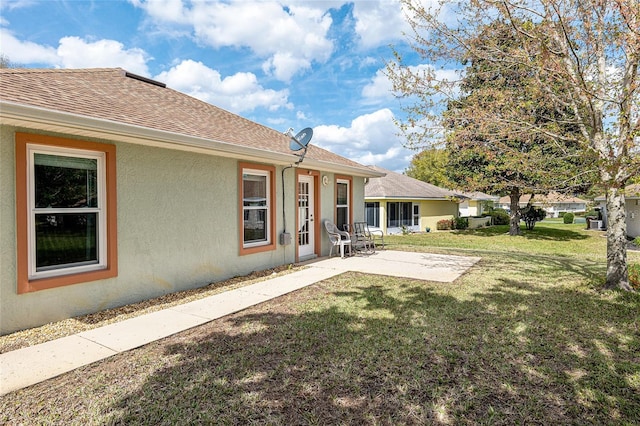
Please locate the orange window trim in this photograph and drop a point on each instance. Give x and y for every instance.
(272, 209)
(350, 195)
(25, 285)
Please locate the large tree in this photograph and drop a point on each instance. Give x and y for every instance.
(487, 152)
(583, 56)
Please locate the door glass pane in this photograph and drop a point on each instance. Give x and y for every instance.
(342, 217)
(65, 182)
(66, 239)
(303, 213)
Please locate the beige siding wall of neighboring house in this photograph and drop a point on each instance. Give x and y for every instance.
(178, 228)
(434, 210)
(470, 208)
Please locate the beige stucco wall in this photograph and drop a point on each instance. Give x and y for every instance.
(177, 229)
(328, 210)
(7, 223)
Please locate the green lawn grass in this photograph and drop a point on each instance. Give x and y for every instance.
(524, 337)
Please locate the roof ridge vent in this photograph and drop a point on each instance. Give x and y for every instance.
(145, 79)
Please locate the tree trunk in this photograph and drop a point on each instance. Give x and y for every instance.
(617, 272)
(514, 222)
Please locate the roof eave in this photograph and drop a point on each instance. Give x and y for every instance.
(27, 116)
(326, 166)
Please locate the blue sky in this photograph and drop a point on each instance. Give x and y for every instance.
(284, 64)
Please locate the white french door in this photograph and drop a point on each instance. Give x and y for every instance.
(306, 208)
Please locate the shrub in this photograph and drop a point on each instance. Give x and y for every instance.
(561, 214)
(499, 217)
(461, 223)
(444, 224)
(634, 275)
(637, 241)
(568, 218)
(531, 215)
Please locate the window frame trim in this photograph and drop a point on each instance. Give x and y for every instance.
(270, 244)
(349, 181)
(25, 244)
(33, 211)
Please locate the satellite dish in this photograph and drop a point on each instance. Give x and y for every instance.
(301, 140)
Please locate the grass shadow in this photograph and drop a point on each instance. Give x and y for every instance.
(404, 354)
(361, 349)
(537, 233)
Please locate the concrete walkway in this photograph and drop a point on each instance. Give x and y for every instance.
(28, 366)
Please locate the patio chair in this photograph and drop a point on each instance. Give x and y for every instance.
(377, 236)
(337, 238)
(362, 238)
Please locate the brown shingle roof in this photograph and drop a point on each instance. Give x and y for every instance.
(396, 185)
(111, 94)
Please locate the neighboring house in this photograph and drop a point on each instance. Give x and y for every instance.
(553, 203)
(475, 202)
(395, 201)
(632, 209)
(116, 189)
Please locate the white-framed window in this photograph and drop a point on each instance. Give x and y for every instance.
(402, 214)
(66, 205)
(342, 203)
(372, 213)
(66, 221)
(256, 207)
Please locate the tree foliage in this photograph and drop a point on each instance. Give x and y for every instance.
(582, 57)
(488, 149)
(4, 61)
(430, 165)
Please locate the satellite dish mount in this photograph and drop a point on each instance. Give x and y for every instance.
(300, 141)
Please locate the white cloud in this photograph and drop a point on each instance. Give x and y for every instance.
(238, 93)
(289, 39)
(385, 21)
(379, 22)
(380, 87)
(164, 10)
(371, 139)
(16, 4)
(74, 52)
(26, 52)
(77, 53)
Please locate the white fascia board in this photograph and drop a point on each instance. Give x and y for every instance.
(340, 169)
(54, 121)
